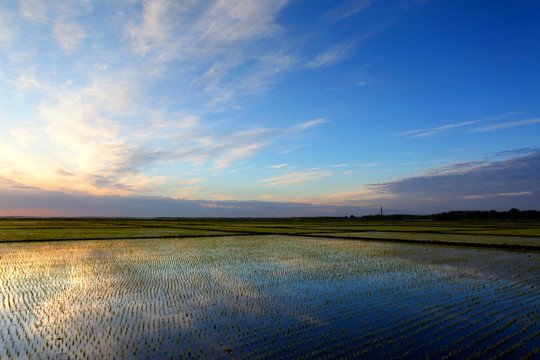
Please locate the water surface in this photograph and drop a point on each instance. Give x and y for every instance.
(265, 296)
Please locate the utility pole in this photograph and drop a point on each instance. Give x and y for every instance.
(381, 210)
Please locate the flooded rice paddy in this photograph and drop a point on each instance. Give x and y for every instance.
(265, 297)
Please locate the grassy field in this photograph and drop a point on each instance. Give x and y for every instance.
(513, 235)
(441, 238)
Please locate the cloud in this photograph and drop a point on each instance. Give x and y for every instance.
(45, 11)
(456, 168)
(499, 185)
(156, 26)
(47, 203)
(507, 125)
(348, 9)
(232, 20)
(68, 35)
(82, 133)
(521, 193)
(7, 27)
(107, 121)
(521, 151)
(235, 154)
(35, 10)
(407, 4)
(169, 29)
(90, 134)
(290, 150)
(221, 48)
(23, 135)
(369, 165)
(308, 125)
(27, 80)
(223, 149)
(362, 197)
(514, 179)
(279, 166)
(335, 54)
(417, 133)
(473, 197)
(295, 177)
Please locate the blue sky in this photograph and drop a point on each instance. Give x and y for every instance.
(268, 107)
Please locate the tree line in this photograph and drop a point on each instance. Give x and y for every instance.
(512, 214)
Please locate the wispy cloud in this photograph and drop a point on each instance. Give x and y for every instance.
(348, 9)
(521, 193)
(487, 196)
(35, 10)
(295, 177)
(7, 27)
(237, 153)
(456, 168)
(290, 150)
(406, 4)
(507, 125)
(229, 20)
(369, 165)
(156, 26)
(362, 197)
(515, 152)
(213, 40)
(418, 133)
(68, 35)
(46, 12)
(279, 166)
(424, 132)
(473, 197)
(27, 80)
(308, 124)
(335, 54)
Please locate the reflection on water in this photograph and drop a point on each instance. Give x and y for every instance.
(265, 296)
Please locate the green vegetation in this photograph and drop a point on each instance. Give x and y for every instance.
(88, 229)
(444, 238)
(517, 235)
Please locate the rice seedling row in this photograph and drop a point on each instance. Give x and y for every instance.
(264, 297)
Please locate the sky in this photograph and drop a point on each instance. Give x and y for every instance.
(268, 107)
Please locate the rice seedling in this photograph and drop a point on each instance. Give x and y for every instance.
(265, 297)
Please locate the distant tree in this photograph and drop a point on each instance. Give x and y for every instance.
(513, 214)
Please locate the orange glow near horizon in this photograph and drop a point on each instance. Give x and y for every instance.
(38, 213)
